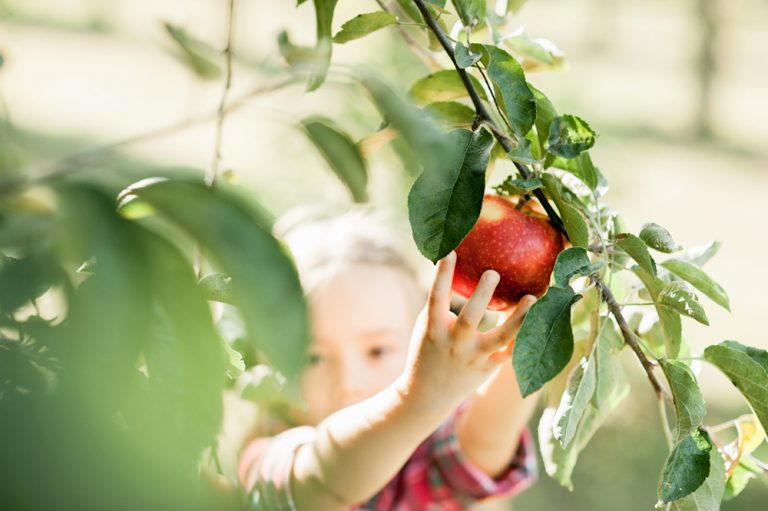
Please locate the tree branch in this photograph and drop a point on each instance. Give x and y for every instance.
(504, 141)
(483, 113)
(628, 334)
(213, 168)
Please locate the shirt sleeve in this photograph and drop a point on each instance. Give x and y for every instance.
(470, 482)
(269, 473)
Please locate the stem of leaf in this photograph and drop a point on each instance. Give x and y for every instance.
(425, 55)
(665, 423)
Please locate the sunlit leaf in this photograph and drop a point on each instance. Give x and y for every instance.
(747, 368)
(689, 402)
(571, 262)
(569, 136)
(265, 285)
(442, 85)
(341, 153)
(699, 279)
(575, 225)
(575, 401)
(678, 295)
(637, 250)
(545, 341)
(194, 52)
(708, 496)
(657, 237)
(444, 203)
(518, 101)
(362, 25)
(686, 468)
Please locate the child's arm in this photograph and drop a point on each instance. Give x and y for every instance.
(357, 450)
(490, 429)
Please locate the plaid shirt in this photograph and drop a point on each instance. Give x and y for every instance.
(436, 476)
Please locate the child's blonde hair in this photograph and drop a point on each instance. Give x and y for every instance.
(324, 240)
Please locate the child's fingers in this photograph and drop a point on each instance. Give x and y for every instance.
(472, 312)
(440, 295)
(507, 331)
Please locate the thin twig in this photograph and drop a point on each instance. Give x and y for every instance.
(95, 155)
(213, 168)
(629, 335)
(665, 423)
(429, 59)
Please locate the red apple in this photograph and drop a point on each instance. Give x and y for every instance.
(521, 246)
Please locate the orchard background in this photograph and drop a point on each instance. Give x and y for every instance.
(676, 92)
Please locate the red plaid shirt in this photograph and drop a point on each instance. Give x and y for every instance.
(436, 476)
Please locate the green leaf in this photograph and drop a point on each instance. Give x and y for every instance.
(23, 280)
(612, 383)
(689, 402)
(341, 153)
(575, 226)
(451, 113)
(709, 495)
(686, 468)
(442, 85)
(701, 254)
(657, 237)
(414, 125)
(265, 285)
(575, 400)
(545, 341)
(679, 296)
(197, 54)
(444, 203)
(669, 319)
(519, 102)
(559, 462)
(581, 167)
(362, 25)
(569, 136)
(745, 471)
(699, 279)
(470, 11)
(323, 19)
(465, 57)
(302, 57)
(515, 186)
(637, 250)
(186, 359)
(747, 368)
(538, 54)
(545, 113)
(522, 153)
(571, 262)
(216, 287)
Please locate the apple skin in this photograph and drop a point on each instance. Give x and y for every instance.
(521, 246)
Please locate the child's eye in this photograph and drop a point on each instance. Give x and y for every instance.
(378, 351)
(315, 359)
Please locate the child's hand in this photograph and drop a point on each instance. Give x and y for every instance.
(449, 358)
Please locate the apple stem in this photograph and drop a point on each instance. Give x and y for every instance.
(629, 335)
(483, 113)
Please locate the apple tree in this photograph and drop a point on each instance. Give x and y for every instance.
(124, 383)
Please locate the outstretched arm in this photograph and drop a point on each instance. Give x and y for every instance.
(357, 450)
(490, 429)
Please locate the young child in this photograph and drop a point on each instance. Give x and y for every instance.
(404, 410)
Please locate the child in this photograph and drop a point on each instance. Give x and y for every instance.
(405, 410)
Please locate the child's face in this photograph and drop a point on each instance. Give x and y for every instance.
(361, 322)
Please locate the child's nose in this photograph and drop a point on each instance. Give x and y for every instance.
(351, 383)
